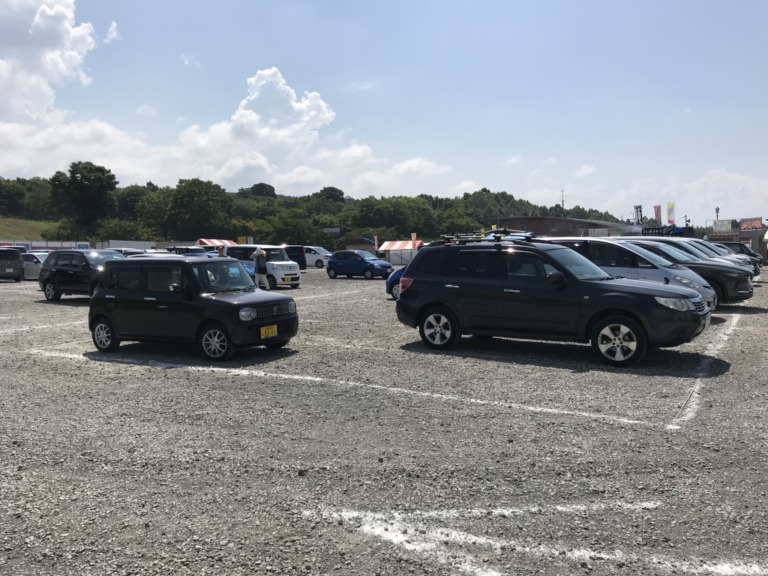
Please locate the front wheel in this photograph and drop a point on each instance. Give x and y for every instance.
(396, 291)
(103, 335)
(719, 294)
(52, 293)
(215, 343)
(439, 329)
(620, 341)
(332, 273)
(272, 282)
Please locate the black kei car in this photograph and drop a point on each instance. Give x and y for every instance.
(73, 271)
(524, 289)
(210, 301)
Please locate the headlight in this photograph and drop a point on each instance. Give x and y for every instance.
(682, 304)
(247, 314)
(688, 282)
(292, 307)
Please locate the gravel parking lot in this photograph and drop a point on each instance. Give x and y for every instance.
(356, 450)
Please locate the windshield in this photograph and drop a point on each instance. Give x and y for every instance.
(673, 253)
(276, 254)
(321, 250)
(217, 276)
(577, 264)
(652, 257)
(98, 258)
(366, 255)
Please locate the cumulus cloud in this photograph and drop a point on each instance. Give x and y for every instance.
(146, 111)
(190, 61)
(41, 47)
(512, 160)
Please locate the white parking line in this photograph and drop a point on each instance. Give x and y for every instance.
(350, 384)
(449, 546)
(691, 406)
(328, 295)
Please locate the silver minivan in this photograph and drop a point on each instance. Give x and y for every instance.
(11, 265)
(626, 260)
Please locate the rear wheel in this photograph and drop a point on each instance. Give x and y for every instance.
(396, 291)
(439, 329)
(368, 274)
(215, 343)
(104, 336)
(620, 341)
(319, 264)
(51, 292)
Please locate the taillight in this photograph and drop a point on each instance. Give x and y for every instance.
(404, 283)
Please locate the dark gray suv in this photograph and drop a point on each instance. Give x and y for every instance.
(11, 265)
(524, 289)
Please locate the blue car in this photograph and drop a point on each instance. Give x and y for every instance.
(357, 263)
(393, 283)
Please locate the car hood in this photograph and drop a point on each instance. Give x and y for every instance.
(250, 298)
(648, 287)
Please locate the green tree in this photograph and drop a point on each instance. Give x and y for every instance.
(85, 195)
(199, 209)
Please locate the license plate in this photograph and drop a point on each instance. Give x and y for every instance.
(290, 278)
(269, 331)
(9, 269)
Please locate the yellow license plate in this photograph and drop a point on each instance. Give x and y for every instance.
(269, 331)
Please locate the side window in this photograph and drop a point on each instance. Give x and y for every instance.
(64, 260)
(160, 279)
(476, 264)
(78, 260)
(643, 263)
(433, 263)
(526, 268)
(124, 278)
(613, 256)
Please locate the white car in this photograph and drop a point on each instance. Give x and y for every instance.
(316, 256)
(32, 262)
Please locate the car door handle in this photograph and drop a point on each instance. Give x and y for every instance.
(149, 299)
(451, 285)
(512, 290)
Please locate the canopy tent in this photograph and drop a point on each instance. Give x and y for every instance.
(215, 242)
(390, 245)
(400, 251)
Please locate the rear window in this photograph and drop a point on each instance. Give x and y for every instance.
(8, 254)
(433, 262)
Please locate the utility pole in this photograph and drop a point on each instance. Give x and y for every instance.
(562, 198)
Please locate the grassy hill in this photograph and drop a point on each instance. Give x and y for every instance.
(14, 229)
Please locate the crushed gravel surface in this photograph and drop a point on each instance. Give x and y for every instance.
(355, 450)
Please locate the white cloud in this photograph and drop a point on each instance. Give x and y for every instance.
(512, 160)
(584, 170)
(146, 110)
(112, 34)
(188, 60)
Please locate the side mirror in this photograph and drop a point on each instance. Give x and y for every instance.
(557, 278)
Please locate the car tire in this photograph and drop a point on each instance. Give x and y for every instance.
(396, 290)
(215, 343)
(272, 282)
(719, 294)
(18, 278)
(332, 273)
(439, 328)
(92, 288)
(52, 293)
(620, 341)
(368, 274)
(103, 335)
(274, 345)
(319, 264)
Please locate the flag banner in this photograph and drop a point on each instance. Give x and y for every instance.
(670, 212)
(657, 213)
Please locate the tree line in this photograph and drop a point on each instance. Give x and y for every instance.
(86, 203)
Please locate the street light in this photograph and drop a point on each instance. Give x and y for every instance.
(717, 213)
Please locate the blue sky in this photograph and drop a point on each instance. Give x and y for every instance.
(599, 103)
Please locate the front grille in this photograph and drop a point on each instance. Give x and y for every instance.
(701, 306)
(274, 310)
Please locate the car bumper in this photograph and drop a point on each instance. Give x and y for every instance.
(250, 334)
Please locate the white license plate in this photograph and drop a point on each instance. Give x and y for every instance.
(9, 269)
